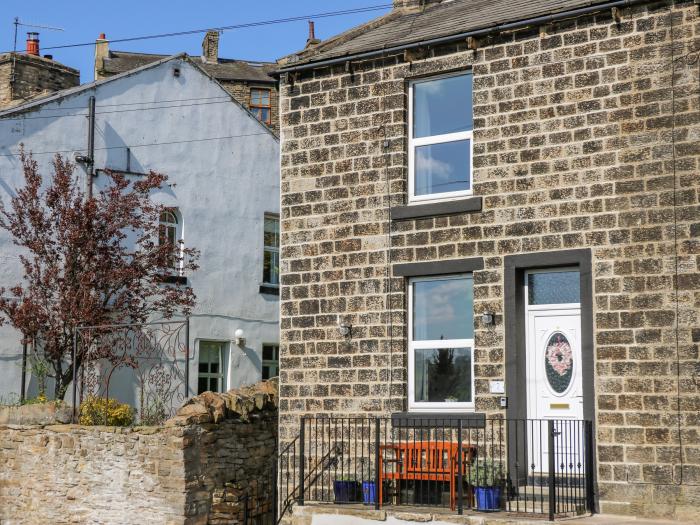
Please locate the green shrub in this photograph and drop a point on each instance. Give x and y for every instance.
(41, 398)
(486, 473)
(93, 410)
(153, 414)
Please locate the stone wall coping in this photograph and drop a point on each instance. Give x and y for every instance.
(241, 403)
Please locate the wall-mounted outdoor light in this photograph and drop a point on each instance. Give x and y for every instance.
(240, 337)
(488, 318)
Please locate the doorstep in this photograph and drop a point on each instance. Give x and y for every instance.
(329, 514)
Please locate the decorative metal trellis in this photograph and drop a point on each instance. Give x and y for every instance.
(145, 365)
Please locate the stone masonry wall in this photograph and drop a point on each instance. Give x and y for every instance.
(33, 76)
(195, 470)
(241, 92)
(585, 136)
(72, 474)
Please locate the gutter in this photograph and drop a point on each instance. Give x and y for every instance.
(540, 20)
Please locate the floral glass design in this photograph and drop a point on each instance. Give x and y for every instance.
(559, 362)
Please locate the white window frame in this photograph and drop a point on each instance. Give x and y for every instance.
(426, 406)
(413, 143)
(178, 268)
(221, 376)
(273, 249)
(271, 362)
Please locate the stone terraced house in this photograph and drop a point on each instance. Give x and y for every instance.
(510, 187)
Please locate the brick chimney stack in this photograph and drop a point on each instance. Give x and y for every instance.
(33, 44)
(24, 75)
(210, 47)
(101, 52)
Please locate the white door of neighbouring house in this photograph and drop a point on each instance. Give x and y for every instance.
(553, 365)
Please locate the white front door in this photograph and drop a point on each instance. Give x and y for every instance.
(553, 363)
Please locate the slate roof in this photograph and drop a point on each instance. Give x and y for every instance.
(226, 69)
(401, 27)
(159, 59)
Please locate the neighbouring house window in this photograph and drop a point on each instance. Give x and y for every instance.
(211, 369)
(260, 104)
(170, 231)
(270, 361)
(440, 137)
(441, 342)
(271, 253)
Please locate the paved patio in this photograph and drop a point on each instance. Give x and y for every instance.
(328, 514)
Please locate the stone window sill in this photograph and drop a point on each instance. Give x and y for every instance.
(173, 279)
(434, 209)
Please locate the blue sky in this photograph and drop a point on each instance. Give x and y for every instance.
(84, 20)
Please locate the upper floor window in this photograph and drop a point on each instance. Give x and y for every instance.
(440, 137)
(271, 251)
(441, 342)
(270, 361)
(170, 232)
(260, 104)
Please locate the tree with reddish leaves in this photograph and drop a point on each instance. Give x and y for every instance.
(88, 262)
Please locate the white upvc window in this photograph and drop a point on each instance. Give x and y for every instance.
(441, 343)
(211, 367)
(170, 232)
(271, 250)
(440, 138)
(270, 361)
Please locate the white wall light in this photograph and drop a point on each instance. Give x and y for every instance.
(240, 337)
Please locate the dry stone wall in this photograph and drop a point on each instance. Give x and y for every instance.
(586, 135)
(195, 470)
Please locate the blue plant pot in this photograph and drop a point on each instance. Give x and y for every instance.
(488, 498)
(369, 495)
(346, 491)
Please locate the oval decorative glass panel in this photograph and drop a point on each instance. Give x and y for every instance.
(558, 362)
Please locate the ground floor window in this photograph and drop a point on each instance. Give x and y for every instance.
(441, 342)
(270, 361)
(211, 369)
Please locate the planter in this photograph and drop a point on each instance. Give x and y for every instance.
(346, 491)
(369, 494)
(488, 499)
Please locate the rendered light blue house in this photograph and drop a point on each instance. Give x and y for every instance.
(172, 117)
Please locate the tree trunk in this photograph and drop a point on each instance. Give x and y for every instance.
(62, 381)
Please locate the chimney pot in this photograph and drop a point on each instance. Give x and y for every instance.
(33, 43)
(312, 40)
(102, 37)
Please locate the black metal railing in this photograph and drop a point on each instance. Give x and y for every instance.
(529, 466)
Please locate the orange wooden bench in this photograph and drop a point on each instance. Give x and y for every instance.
(424, 461)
